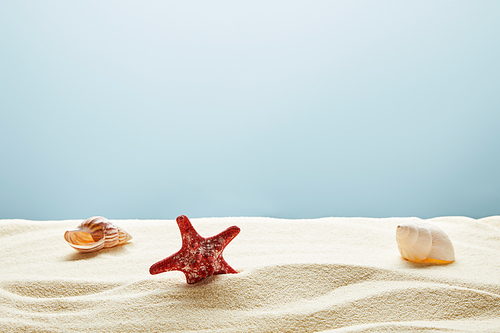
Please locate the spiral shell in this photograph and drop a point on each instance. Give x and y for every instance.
(424, 242)
(96, 233)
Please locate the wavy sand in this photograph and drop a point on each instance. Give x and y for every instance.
(321, 275)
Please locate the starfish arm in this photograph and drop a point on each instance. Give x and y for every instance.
(227, 235)
(188, 234)
(190, 279)
(171, 263)
(224, 268)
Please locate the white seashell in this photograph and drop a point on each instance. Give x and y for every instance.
(96, 233)
(422, 241)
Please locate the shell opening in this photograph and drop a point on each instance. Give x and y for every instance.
(83, 237)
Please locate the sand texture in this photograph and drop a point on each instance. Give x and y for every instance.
(318, 275)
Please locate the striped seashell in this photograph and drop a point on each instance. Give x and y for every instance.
(96, 233)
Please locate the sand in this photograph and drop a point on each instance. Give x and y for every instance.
(318, 275)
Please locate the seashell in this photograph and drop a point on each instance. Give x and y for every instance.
(424, 242)
(96, 233)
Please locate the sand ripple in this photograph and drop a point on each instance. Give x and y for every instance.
(292, 298)
(320, 275)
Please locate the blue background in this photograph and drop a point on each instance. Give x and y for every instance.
(293, 109)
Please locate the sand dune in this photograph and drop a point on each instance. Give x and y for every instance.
(320, 275)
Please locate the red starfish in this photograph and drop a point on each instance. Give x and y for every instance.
(198, 257)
